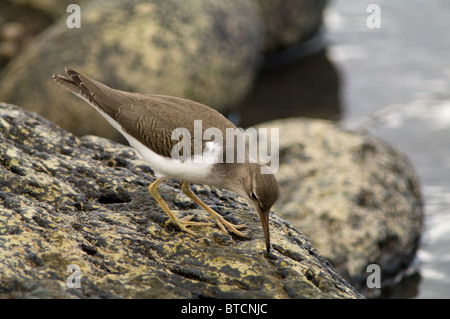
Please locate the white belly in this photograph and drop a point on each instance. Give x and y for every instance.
(165, 167)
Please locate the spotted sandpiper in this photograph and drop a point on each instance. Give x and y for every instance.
(147, 121)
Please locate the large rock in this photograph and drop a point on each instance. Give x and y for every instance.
(289, 22)
(355, 197)
(66, 201)
(205, 50)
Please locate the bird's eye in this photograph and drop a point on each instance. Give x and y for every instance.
(253, 195)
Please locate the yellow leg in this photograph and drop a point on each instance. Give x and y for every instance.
(183, 222)
(219, 219)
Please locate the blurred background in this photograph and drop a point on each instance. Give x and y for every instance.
(395, 84)
(391, 82)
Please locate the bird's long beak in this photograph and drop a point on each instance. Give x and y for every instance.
(264, 217)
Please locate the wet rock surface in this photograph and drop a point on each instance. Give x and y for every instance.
(83, 201)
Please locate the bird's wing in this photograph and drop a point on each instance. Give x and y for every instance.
(149, 118)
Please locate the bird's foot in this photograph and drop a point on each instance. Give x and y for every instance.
(222, 223)
(185, 221)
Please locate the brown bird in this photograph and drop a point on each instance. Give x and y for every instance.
(149, 121)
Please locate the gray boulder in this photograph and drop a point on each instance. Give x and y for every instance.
(70, 202)
(205, 50)
(290, 22)
(357, 198)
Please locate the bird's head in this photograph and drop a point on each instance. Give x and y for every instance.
(261, 190)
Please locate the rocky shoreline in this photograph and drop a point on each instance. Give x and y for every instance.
(67, 197)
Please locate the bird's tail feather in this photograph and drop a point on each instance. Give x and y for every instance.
(95, 93)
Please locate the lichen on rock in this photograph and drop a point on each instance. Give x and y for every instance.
(67, 200)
